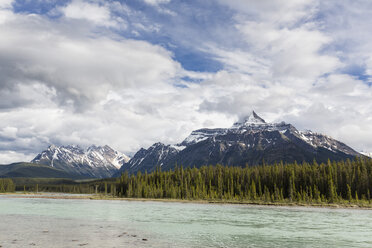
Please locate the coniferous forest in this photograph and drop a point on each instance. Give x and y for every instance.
(332, 182)
(308, 183)
(6, 185)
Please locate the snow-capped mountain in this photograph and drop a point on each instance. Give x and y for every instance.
(249, 141)
(157, 154)
(147, 159)
(95, 162)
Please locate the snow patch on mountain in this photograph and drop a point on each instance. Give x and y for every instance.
(251, 119)
(255, 124)
(96, 161)
(249, 141)
(202, 134)
(368, 154)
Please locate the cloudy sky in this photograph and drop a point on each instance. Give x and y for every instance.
(133, 72)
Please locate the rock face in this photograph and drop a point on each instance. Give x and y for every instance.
(95, 162)
(250, 141)
(146, 160)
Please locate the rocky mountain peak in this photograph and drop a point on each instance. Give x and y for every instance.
(157, 144)
(251, 119)
(95, 161)
(101, 149)
(52, 147)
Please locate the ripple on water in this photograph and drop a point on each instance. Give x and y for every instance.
(86, 223)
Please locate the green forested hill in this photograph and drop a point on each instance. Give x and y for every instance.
(32, 170)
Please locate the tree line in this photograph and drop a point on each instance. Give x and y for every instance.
(329, 182)
(6, 185)
(105, 186)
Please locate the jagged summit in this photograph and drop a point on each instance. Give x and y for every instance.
(95, 161)
(51, 147)
(250, 122)
(251, 119)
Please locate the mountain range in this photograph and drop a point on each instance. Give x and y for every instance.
(250, 141)
(94, 162)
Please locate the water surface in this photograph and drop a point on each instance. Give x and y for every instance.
(34, 222)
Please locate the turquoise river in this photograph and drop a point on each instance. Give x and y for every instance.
(39, 222)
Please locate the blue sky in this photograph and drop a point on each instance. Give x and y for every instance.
(89, 71)
(179, 26)
(182, 26)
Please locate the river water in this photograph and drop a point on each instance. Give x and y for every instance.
(35, 222)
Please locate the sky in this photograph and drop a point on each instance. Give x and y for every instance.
(135, 72)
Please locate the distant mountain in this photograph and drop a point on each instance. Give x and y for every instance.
(157, 154)
(95, 162)
(32, 170)
(249, 141)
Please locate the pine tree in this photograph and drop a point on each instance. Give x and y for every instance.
(253, 191)
(349, 197)
(331, 189)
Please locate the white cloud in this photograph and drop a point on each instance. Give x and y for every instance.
(159, 6)
(157, 2)
(93, 12)
(369, 68)
(346, 21)
(292, 52)
(6, 4)
(7, 157)
(283, 42)
(274, 11)
(81, 68)
(5, 11)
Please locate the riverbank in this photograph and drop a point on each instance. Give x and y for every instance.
(345, 205)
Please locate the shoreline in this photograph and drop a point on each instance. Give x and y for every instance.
(67, 196)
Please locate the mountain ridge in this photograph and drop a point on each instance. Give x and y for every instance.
(248, 141)
(32, 170)
(95, 161)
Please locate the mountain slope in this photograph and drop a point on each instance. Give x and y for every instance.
(32, 170)
(95, 162)
(250, 141)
